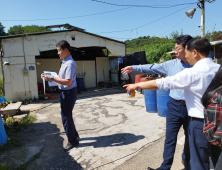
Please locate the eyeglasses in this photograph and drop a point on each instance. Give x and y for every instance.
(177, 49)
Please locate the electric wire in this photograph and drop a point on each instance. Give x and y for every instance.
(70, 17)
(147, 6)
(147, 23)
(174, 26)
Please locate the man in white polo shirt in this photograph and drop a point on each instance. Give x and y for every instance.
(194, 81)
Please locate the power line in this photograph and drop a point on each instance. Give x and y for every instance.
(174, 26)
(147, 6)
(71, 17)
(147, 23)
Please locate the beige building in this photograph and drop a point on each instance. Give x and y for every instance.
(25, 57)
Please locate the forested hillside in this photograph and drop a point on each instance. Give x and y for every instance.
(156, 47)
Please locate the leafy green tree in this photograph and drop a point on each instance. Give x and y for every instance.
(2, 32)
(216, 35)
(16, 29)
(155, 52)
(34, 28)
(154, 47)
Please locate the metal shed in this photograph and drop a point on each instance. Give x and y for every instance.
(20, 53)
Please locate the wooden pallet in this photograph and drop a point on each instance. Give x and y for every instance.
(11, 109)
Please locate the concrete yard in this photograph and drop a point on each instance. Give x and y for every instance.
(115, 132)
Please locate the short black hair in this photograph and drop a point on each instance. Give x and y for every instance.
(183, 40)
(63, 44)
(202, 45)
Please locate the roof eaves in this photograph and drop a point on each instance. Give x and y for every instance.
(51, 32)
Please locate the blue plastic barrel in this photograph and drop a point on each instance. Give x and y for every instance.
(3, 136)
(2, 99)
(150, 100)
(80, 83)
(162, 99)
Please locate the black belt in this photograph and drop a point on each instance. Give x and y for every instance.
(196, 119)
(68, 89)
(182, 102)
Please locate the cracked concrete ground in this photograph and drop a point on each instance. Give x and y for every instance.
(111, 126)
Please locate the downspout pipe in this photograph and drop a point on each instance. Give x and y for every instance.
(2, 70)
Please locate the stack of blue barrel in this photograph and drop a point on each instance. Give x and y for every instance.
(156, 101)
(162, 98)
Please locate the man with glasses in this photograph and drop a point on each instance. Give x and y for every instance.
(176, 108)
(68, 92)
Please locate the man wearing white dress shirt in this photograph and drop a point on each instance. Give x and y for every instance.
(194, 81)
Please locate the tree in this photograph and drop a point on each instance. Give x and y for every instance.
(34, 28)
(16, 29)
(216, 35)
(2, 32)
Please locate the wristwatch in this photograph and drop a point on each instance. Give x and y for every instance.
(51, 79)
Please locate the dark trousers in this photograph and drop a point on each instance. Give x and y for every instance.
(199, 146)
(176, 116)
(67, 101)
(215, 154)
(219, 163)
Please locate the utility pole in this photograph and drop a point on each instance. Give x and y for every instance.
(191, 12)
(202, 18)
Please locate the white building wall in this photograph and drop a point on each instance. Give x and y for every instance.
(103, 67)
(16, 84)
(87, 67)
(15, 49)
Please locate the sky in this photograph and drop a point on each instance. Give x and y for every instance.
(116, 22)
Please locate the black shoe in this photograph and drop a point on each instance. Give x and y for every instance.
(70, 146)
(153, 169)
(78, 138)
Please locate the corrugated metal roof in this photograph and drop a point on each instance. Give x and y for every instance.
(216, 42)
(67, 26)
(51, 32)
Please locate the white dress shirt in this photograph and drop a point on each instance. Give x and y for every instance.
(194, 81)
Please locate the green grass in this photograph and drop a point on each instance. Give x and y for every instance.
(12, 128)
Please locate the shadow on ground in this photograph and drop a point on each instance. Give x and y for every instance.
(118, 139)
(42, 143)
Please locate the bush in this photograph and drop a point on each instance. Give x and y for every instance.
(155, 52)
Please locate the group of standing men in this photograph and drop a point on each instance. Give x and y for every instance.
(184, 108)
(188, 77)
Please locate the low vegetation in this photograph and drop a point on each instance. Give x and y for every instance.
(156, 47)
(12, 128)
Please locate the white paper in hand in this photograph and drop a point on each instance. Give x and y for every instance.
(52, 83)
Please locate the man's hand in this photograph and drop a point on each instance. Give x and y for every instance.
(130, 87)
(47, 77)
(42, 75)
(149, 85)
(127, 70)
